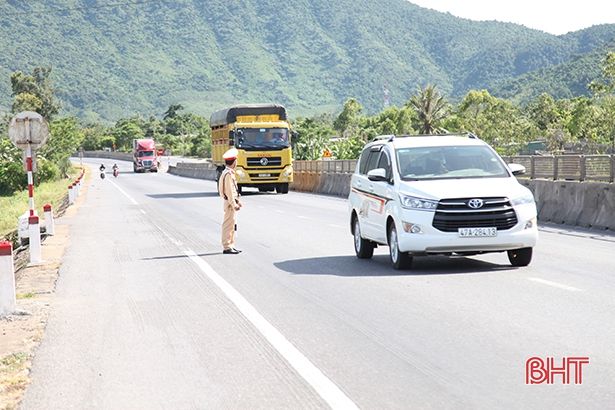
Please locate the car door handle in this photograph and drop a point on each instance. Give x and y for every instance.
(371, 187)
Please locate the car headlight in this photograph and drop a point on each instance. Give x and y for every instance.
(288, 171)
(421, 204)
(527, 198)
(240, 172)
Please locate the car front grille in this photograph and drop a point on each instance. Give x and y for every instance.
(452, 214)
(147, 163)
(271, 162)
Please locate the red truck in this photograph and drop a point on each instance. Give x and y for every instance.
(144, 156)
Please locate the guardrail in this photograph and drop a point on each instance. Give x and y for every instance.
(567, 167)
(555, 167)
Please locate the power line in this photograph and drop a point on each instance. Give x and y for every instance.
(88, 8)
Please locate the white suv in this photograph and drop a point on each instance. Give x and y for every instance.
(439, 194)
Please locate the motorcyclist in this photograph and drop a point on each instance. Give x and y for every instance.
(115, 170)
(102, 168)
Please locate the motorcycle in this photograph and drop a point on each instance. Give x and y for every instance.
(102, 174)
(116, 172)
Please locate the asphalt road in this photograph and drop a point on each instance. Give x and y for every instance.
(150, 314)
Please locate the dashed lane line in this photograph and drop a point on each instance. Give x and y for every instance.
(555, 284)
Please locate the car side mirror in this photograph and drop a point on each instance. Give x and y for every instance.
(516, 169)
(378, 174)
(294, 134)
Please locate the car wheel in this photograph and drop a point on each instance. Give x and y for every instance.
(362, 247)
(399, 260)
(520, 257)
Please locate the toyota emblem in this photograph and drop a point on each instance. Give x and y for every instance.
(475, 203)
(264, 161)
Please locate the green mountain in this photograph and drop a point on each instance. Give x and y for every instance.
(566, 80)
(112, 60)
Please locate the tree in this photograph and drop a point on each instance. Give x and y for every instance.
(350, 115)
(65, 138)
(495, 120)
(314, 137)
(430, 107)
(172, 111)
(125, 130)
(34, 92)
(550, 118)
(604, 93)
(607, 85)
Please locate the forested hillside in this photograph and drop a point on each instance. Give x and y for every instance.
(114, 58)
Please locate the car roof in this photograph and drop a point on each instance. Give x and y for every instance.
(439, 140)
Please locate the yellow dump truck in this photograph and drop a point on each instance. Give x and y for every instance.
(262, 134)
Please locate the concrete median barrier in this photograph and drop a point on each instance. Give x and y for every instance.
(586, 204)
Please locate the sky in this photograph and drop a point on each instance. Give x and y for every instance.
(552, 16)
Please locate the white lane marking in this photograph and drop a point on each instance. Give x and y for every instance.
(555, 284)
(143, 212)
(336, 226)
(302, 217)
(124, 193)
(279, 211)
(310, 373)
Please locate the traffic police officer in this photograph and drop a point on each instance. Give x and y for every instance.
(227, 187)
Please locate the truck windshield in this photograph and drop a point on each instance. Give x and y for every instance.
(146, 153)
(422, 163)
(263, 138)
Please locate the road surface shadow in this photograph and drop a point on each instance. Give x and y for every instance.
(157, 258)
(380, 265)
(184, 195)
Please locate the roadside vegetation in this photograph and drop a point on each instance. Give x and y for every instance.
(587, 123)
(50, 192)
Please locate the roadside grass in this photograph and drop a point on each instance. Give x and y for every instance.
(13, 378)
(28, 295)
(11, 207)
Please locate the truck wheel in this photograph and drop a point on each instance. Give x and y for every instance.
(134, 168)
(399, 260)
(362, 247)
(520, 257)
(282, 188)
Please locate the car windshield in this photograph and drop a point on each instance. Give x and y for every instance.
(262, 138)
(465, 161)
(146, 153)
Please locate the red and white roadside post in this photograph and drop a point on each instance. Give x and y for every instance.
(50, 226)
(29, 131)
(30, 177)
(71, 195)
(34, 234)
(7, 279)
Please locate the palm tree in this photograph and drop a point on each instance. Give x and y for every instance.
(431, 108)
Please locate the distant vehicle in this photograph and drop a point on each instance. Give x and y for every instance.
(144, 156)
(451, 194)
(261, 133)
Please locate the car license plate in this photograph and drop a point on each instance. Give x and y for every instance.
(477, 232)
(264, 175)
